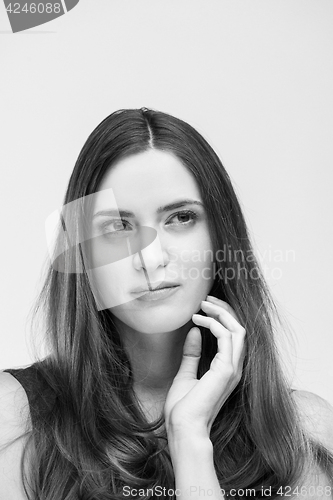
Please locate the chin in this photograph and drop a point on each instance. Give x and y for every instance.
(158, 322)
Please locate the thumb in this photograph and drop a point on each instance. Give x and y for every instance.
(191, 354)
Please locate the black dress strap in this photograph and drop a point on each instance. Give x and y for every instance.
(41, 396)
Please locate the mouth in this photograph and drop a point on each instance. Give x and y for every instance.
(160, 292)
(152, 288)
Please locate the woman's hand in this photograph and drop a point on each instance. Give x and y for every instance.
(191, 404)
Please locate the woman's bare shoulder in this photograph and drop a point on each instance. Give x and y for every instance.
(317, 417)
(14, 424)
(14, 407)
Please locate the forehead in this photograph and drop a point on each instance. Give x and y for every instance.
(147, 179)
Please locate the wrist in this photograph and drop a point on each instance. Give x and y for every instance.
(189, 454)
(187, 432)
(187, 441)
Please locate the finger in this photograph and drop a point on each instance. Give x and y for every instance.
(224, 316)
(222, 303)
(191, 354)
(216, 382)
(222, 334)
(229, 322)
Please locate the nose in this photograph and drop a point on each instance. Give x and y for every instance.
(153, 259)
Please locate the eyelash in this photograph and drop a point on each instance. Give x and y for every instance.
(194, 216)
(186, 212)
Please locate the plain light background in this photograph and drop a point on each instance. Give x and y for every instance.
(254, 77)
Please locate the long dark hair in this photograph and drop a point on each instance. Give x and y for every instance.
(96, 439)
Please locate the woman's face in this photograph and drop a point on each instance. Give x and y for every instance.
(149, 221)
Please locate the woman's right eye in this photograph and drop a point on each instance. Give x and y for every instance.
(113, 228)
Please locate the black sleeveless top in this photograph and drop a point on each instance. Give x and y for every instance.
(41, 396)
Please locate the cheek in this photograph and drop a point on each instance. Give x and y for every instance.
(111, 284)
(195, 261)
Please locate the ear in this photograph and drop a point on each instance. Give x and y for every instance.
(317, 417)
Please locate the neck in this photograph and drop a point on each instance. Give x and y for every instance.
(155, 358)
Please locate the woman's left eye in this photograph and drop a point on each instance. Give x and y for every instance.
(185, 218)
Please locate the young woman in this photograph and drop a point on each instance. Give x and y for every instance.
(162, 378)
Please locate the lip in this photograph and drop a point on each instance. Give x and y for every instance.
(157, 293)
(164, 284)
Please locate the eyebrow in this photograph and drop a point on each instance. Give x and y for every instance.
(166, 208)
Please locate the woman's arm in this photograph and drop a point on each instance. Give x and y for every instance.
(192, 454)
(192, 460)
(192, 405)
